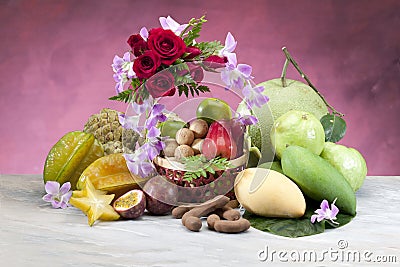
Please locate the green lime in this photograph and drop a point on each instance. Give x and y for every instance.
(213, 109)
(170, 127)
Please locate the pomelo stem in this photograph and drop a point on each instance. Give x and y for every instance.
(296, 66)
(283, 75)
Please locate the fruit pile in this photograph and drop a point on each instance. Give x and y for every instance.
(203, 150)
(306, 170)
(104, 187)
(293, 160)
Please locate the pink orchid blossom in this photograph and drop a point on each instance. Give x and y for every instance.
(326, 213)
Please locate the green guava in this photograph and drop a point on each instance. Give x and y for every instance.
(298, 128)
(348, 161)
(295, 96)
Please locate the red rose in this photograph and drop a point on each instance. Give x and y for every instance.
(166, 44)
(138, 44)
(215, 62)
(192, 52)
(146, 65)
(196, 72)
(162, 84)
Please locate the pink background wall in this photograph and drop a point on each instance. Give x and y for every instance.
(56, 55)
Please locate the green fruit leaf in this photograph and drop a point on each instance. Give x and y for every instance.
(334, 127)
(295, 227)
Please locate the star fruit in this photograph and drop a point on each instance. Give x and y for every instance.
(94, 203)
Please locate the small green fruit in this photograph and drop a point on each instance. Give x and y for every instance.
(213, 109)
(298, 128)
(348, 161)
(170, 127)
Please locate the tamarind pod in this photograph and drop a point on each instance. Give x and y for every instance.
(233, 204)
(211, 219)
(178, 212)
(231, 215)
(238, 226)
(193, 223)
(204, 210)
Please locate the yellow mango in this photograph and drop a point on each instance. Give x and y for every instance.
(269, 193)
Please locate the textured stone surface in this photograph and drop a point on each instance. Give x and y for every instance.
(56, 56)
(34, 234)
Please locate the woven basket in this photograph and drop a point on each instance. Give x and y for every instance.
(202, 188)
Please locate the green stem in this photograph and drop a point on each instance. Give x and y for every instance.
(283, 75)
(296, 66)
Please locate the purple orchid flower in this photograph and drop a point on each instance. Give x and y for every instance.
(139, 163)
(227, 50)
(58, 197)
(154, 143)
(141, 108)
(156, 115)
(247, 120)
(326, 213)
(253, 96)
(144, 33)
(169, 23)
(131, 123)
(123, 71)
(236, 75)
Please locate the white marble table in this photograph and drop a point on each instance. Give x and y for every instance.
(34, 234)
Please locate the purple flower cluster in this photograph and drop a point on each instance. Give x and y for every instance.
(140, 162)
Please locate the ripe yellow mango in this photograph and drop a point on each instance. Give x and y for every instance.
(269, 193)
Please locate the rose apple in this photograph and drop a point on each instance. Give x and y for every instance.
(224, 138)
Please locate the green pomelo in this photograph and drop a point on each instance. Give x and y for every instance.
(295, 96)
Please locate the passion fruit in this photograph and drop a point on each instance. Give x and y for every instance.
(161, 195)
(131, 205)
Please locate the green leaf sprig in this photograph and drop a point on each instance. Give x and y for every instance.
(192, 30)
(198, 166)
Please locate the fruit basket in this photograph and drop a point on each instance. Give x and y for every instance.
(218, 182)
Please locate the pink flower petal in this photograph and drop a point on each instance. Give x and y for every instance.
(334, 210)
(230, 43)
(56, 204)
(65, 188)
(245, 70)
(313, 218)
(144, 33)
(324, 205)
(48, 197)
(52, 187)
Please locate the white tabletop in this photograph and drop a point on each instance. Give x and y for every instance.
(34, 234)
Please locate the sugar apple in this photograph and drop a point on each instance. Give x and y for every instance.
(108, 131)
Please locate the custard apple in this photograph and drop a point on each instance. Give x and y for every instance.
(108, 131)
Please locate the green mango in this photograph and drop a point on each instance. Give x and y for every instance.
(317, 178)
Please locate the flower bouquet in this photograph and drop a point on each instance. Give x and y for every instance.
(208, 147)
